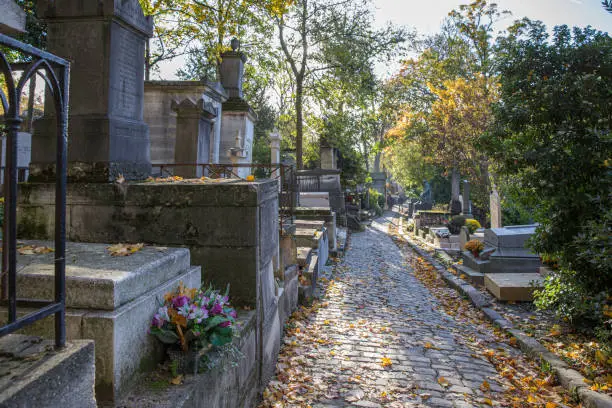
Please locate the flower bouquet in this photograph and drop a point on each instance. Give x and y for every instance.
(192, 320)
(475, 247)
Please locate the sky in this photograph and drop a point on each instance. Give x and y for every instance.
(426, 17)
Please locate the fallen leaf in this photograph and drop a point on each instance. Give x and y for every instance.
(124, 249)
(443, 382)
(177, 380)
(386, 362)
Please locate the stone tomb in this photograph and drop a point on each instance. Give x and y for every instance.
(230, 228)
(510, 253)
(109, 300)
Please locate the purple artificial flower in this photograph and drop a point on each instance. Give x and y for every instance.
(198, 314)
(217, 309)
(180, 301)
(233, 313)
(225, 324)
(158, 321)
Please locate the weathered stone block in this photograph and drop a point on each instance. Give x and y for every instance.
(39, 376)
(112, 282)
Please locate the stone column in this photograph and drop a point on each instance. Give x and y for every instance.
(495, 206)
(194, 122)
(275, 145)
(467, 206)
(105, 42)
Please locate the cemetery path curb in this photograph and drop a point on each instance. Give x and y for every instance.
(569, 378)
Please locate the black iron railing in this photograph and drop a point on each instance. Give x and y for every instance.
(286, 175)
(55, 72)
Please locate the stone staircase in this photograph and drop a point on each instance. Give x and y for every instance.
(109, 300)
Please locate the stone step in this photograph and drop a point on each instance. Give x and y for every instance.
(471, 275)
(303, 255)
(476, 264)
(309, 224)
(34, 374)
(307, 237)
(94, 278)
(517, 287)
(312, 212)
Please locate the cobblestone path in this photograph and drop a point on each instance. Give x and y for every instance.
(381, 339)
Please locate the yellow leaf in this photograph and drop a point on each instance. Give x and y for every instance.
(600, 356)
(386, 362)
(555, 330)
(487, 401)
(177, 380)
(443, 382)
(531, 398)
(485, 386)
(551, 405)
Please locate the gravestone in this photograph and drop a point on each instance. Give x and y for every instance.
(275, 146)
(105, 43)
(194, 126)
(24, 152)
(496, 212)
(510, 253)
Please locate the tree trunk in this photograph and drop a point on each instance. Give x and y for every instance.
(299, 123)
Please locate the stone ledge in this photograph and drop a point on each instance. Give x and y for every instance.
(94, 278)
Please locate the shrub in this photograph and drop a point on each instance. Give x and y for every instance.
(474, 246)
(375, 201)
(472, 225)
(455, 224)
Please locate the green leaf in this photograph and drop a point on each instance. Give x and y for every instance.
(165, 336)
(214, 321)
(219, 340)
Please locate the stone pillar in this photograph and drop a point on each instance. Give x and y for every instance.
(194, 123)
(467, 206)
(275, 146)
(496, 212)
(105, 42)
(12, 18)
(238, 117)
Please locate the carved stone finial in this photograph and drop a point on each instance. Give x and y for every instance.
(235, 44)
